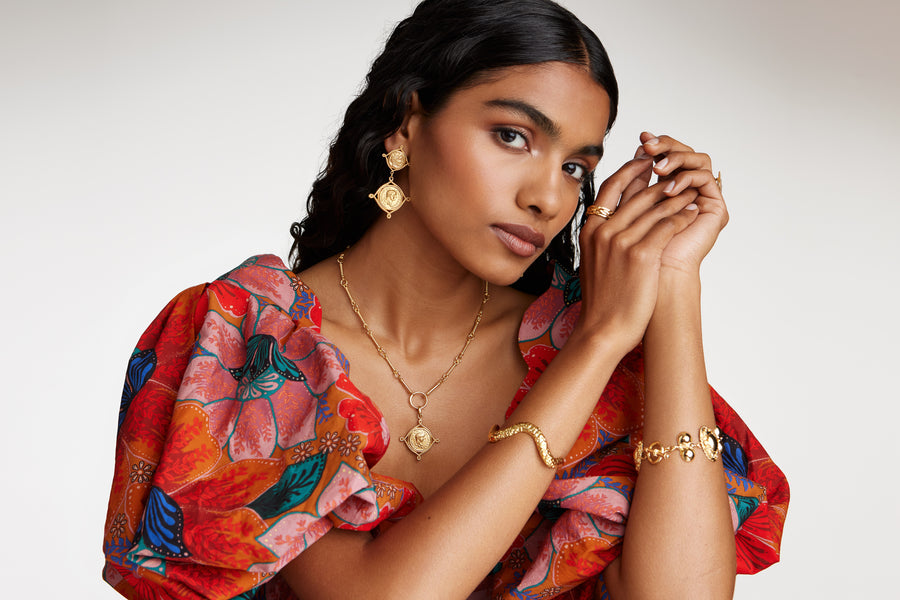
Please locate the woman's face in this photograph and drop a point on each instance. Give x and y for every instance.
(496, 173)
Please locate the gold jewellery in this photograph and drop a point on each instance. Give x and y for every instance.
(496, 434)
(710, 443)
(599, 211)
(419, 439)
(719, 180)
(390, 197)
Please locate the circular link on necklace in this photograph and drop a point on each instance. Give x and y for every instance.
(424, 400)
(419, 439)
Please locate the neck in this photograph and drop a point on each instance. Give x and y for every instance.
(410, 291)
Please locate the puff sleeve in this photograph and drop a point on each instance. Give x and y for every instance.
(578, 526)
(241, 441)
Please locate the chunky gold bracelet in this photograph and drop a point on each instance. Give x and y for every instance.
(496, 434)
(710, 442)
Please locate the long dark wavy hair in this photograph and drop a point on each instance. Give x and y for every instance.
(444, 46)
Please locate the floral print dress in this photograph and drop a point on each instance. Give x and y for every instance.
(242, 440)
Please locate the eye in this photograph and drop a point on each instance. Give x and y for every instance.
(576, 171)
(511, 137)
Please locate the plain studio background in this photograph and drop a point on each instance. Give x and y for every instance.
(149, 146)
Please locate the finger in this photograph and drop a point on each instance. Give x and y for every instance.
(644, 223)
(640, 203)
(662, 232)
(656, 145)
(715, 206)
(639, 183)
(611, 189)
(702, 180)
(678, 159)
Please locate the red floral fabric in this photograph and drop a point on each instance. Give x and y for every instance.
(242, 440)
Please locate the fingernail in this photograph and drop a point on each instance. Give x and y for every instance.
(640, 153)
(691, 206)
(652, 141)
(669, 187)
(662, 164)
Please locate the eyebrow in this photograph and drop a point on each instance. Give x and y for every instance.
(543, 122)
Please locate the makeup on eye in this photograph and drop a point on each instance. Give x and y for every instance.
(518, 140)
(511, 137)
(581, 175)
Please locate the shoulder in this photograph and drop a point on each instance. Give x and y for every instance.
(265, 281)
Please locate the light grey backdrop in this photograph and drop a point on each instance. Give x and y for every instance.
(149, 146)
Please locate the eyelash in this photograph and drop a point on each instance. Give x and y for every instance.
(501, 132)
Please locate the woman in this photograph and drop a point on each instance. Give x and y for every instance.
(436, 255)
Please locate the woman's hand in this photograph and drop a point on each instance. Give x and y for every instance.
(621, 257)
(683, 169)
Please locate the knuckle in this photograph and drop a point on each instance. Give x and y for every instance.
(640, 254)
(668, 224)
(605, 235)
(619, 243)
(585, 236)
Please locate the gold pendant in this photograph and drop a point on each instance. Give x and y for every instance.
(389, 197)
(419, 440)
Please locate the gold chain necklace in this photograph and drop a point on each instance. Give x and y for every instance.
(419, 439)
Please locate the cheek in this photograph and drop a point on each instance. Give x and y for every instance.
(461, 169)
(565, 216)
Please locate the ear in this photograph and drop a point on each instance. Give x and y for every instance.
(406, 133)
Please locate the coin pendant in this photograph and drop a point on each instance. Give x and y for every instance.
(396, 159)
(389, 197)
(419, 440)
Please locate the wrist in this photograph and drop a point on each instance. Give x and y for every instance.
(679, 283)
(677, 304)
(599, 344)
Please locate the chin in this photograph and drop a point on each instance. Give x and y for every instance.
(504, 274)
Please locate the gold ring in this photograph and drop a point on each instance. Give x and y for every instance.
(599, 211)
(719, 180)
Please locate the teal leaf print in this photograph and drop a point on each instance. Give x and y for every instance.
(262, 353)
(744, 507)
(295, 486)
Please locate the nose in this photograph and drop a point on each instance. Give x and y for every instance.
(542, 192)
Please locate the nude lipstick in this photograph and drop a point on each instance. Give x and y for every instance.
(522, 240)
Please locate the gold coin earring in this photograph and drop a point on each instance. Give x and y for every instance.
(390, 197)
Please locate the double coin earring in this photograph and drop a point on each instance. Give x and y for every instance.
(389, 197)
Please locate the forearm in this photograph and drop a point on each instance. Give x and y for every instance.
(679, 540)
(445, 547)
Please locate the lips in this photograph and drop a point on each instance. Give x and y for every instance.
(520, 239)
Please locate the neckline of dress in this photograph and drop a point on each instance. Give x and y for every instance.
(315, 316)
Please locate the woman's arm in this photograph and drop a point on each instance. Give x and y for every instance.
(448, 544)
(679, 539)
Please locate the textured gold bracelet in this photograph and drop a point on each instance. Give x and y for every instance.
(496, 434)
(710, 442)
